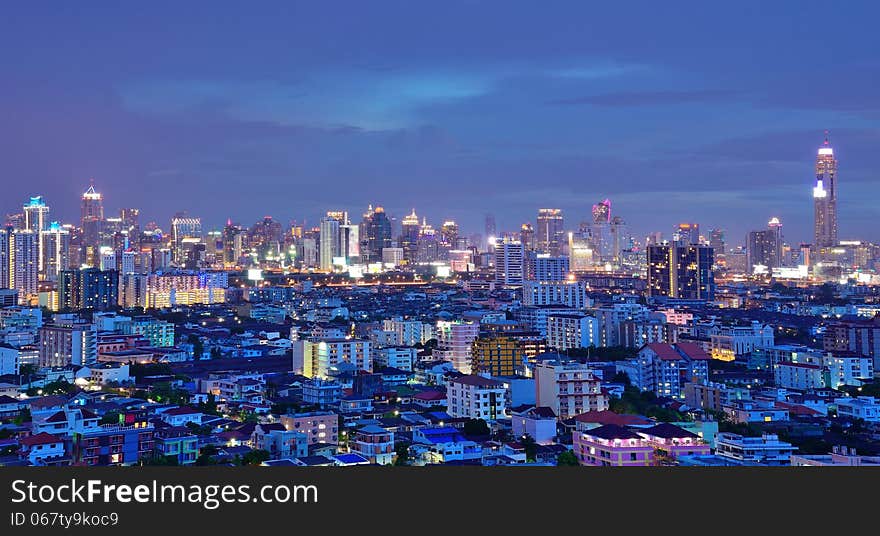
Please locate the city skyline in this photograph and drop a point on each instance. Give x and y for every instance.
(461, 113)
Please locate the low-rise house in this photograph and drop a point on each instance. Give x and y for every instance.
(433, 445)
(44, 449)
(319, 426)
(374, 443)
(537, 422)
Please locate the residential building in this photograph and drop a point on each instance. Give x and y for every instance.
(319, 426)
(476, 397)
(766, 450)
(613, 445)
(374, 443)
(568, 389)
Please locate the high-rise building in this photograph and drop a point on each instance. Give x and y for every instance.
(491, 231)
(36, 219)
(409, 236)
(716, 241)
(329, 246)
(55, 252)
(825, 197)
(686, 234)
(509, 262)
(185, 231)
(545, 267)
(232, 243)
(375, 234)
(527, 236)
(550, 231)
(91, 222)
(681, 272)
(88, 288)
(18, 255)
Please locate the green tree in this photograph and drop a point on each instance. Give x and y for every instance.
(111, 417)
(198, 346)
(255, 457)
(530, 446)
(567, 458)
(476, 427)
(402, 450)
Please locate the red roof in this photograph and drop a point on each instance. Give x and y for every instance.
(609, 417)
(693, 351)
(42, 438)
(664, 351)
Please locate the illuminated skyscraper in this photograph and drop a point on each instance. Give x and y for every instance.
(329, 246)
(527, 236)
(825, 197)
(18, 255)
(764, 248)
(409, 236)
(686, 234)
(550, 231)
(509, 262)
(36, 219)
(91, 223)
(683, 272)
(491, 231)
(184, 233)
(602, 212)
(375, 234)
(54, 250)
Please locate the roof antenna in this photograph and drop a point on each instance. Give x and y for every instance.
(826, 137)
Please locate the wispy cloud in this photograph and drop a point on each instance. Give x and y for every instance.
(626, 99)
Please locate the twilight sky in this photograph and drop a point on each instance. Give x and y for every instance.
(702, 111)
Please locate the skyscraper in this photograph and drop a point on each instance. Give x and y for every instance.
(682, 272)
(686, 234)
(409, 236)
(825, 197)
(92, 218)
(54, 250)
(88, 288)
(509, 262)
(18, 255)
(764, 248)
(184, 231)
(491, 231)
(329, 246)
(375, 234)
(36, 219)
(550, 231)
(527, 236)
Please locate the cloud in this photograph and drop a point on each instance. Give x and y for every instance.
(626, 99)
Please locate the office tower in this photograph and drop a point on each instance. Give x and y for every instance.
(88, 288)
(91, 223)
(350, 243)
(550, 231)
(108, 258)
(527, 236)
(36, 219)
(128, 262)
(428, 245)
(681, 272)
(232, 244)
(18, 254)
(185, 231)
(602, 212)
(329, 246)
(716, 241)
(825, 197)
(544, 267)
(131, 226)
(580, 249)
(686, 234)
(409, 236)
(56, 250)
(266, 237)
(375, 234)
(509, 262)
(448, 238)
(491, 231)
(764, 248)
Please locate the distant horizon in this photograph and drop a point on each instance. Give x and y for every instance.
(290, 109)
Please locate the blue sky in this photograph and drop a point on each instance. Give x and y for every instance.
(700, 111)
